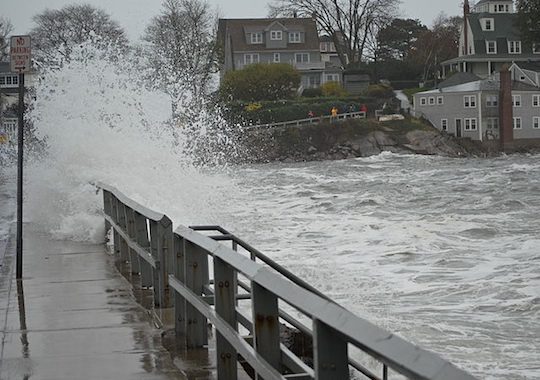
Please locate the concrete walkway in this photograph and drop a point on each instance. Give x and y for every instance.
(73, 316)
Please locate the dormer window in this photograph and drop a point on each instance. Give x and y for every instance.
(294, 37)
(488, 24)
(514, 47)
(276, 35)
(491, 47)
(256, 38)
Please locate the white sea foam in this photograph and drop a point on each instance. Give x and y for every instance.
(100, 123)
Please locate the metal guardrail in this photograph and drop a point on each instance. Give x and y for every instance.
(311, 120)
(177, 267)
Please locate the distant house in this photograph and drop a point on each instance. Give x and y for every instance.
(476, 109)
(489, 39)
(280, 40)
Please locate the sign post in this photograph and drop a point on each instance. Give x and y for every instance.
(20, 50)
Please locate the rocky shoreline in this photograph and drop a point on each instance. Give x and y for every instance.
(356, 138)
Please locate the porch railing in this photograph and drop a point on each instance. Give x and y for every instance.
(176, 265)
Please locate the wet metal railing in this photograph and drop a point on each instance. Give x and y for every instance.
(310, 120)
(205, 281)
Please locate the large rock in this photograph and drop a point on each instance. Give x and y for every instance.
(432, 142)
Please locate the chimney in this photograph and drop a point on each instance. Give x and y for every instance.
(505, 109)
(466, 11)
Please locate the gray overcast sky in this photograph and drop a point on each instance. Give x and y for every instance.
(134, 15)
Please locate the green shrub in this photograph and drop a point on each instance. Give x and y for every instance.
(312, 92)
(261, 81)
(380, 91)
(333, 89)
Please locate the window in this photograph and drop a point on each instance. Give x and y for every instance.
(536, 122)
(470, 124)
(493, 123)
(492, 101)
(251, 58)
(469, 101)
(491, 47)
(440, 100)
(536, 48)
(332, 77)
(431, 101)
(314, 81)
(488, 24)
(294, 37)
(444, 124)
(277, 58)
(423, 101)
(516, 100)
(517, 123)
(536, 100)
(256, 38)
(276, 35)
(9, 80)
(514, 47)
(301, 57)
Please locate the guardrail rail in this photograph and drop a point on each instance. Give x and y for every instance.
(310, 120)
(176, 265)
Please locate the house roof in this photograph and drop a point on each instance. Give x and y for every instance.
(490, 84)
(530, 65)
(459, 78)
(505, 27)
(236, 30)
(490, 1)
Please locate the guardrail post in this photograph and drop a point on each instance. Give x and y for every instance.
(123, 224)
(141, 229)
(161, 245)
(196, 271)
(225, 303)
(116, 235)
(331, 360)
(107, 209)
(158, 280)
(179, 273)
(132, 233)
(266, 324)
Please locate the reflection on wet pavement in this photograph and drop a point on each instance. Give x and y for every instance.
(73, 316)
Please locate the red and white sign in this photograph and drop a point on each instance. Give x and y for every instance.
(20, 52)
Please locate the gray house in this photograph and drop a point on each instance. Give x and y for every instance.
(280, 40)
(474, 109)
(489, 39)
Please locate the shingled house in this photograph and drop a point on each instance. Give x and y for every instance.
(489, 39)
(276, 40)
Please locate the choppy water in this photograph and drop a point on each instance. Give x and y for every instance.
(445, 252)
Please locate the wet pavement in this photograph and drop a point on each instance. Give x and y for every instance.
(73, 316)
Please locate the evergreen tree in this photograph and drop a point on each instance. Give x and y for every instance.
(529, 20)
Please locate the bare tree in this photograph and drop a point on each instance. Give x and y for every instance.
(181, 50)
(6, 27)
(57, 31)
(436, 45)
(351, 23)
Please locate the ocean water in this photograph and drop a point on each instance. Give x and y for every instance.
(444, 252)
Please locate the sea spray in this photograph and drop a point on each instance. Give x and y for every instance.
(99, 122)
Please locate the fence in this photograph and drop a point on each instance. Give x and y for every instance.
(176, 265)
(311, 120)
